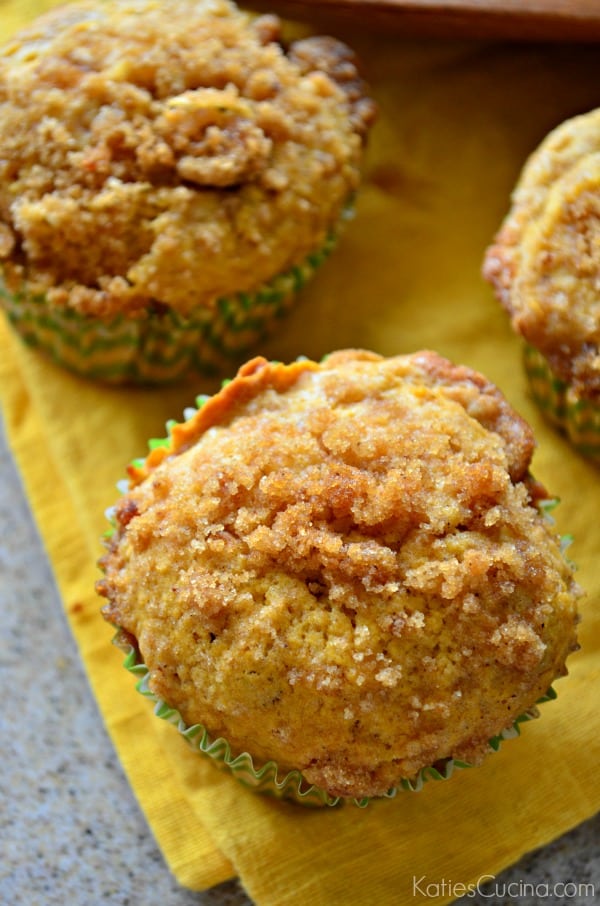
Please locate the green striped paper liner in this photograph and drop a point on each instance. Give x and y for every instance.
(267, 778)
(159, 347)
(575, 416)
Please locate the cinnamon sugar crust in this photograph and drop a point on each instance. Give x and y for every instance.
(544, 263)
(341, 567)
(170, 153)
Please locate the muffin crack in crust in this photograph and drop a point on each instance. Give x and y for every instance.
(177, 159)
(342, 567)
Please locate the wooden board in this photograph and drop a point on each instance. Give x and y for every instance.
(524, 20)
(518, 20)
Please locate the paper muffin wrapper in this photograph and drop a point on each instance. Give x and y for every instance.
(268, 778)
(160, 347)
(577, 417)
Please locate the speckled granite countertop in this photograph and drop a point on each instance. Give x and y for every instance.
(70, 828)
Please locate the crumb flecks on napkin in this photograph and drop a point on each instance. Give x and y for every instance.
(456, 123)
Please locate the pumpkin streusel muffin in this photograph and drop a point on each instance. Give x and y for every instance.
(170, 175)
(544, 266)
(342, 570)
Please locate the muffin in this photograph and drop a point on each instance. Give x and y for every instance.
(170, 175)
(544, 266)
(342, 570)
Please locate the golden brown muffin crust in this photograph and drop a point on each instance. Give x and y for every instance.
(170, 153)
(332, 567)
(544, 264)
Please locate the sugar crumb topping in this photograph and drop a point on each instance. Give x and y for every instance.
(170, 153)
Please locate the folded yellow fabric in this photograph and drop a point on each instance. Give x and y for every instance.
(455, 125)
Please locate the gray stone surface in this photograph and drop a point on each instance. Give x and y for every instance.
(70, 829)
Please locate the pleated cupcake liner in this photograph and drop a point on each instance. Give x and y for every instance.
(576, 416)
(159, 347)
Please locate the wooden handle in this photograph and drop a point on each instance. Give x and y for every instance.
(549, 20)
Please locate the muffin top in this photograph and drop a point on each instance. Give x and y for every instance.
(545, 261)
(169, 154)
(341, 566)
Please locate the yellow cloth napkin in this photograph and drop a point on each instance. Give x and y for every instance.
(456, 122)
